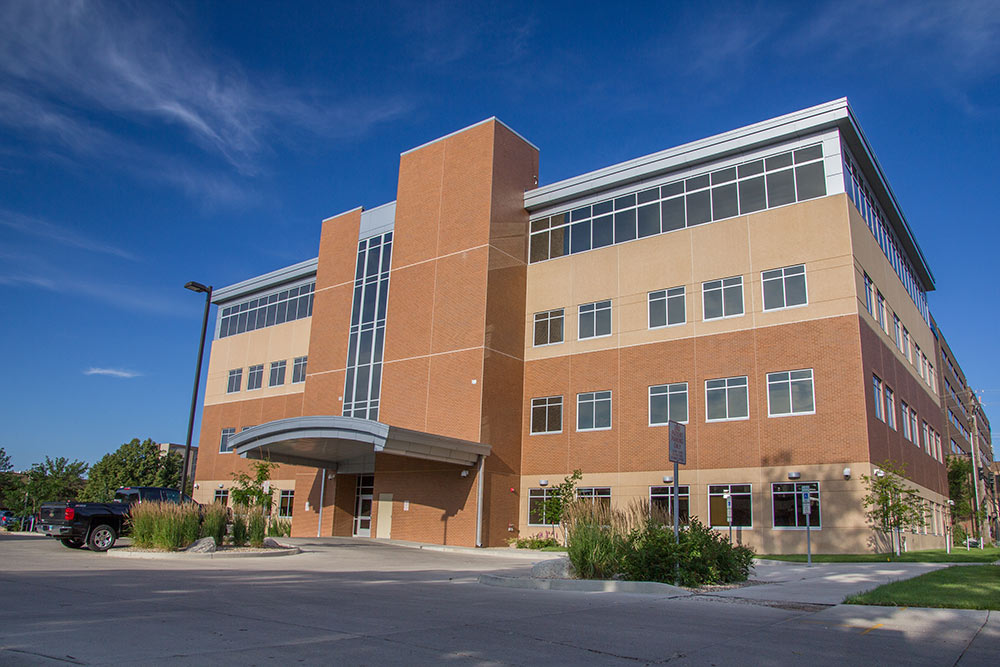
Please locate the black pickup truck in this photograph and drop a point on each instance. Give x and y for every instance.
(98, 525)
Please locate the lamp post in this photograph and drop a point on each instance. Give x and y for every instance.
(195, 287)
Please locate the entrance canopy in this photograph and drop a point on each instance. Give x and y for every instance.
(328, 441)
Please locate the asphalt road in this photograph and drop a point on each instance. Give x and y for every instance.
(349, 602)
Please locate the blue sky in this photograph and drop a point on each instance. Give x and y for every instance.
(143, 145)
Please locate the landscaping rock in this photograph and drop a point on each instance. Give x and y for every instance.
(205, 545)
(558, 568)
(271, 543)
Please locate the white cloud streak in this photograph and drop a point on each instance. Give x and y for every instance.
(59, 234)
(111, 372)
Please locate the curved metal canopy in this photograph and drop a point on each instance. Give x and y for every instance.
(328, 441)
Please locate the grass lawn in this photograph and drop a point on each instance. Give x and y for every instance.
(563, 549)
(987, 555)
(964, 587)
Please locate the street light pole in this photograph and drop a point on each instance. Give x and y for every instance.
(195, 287)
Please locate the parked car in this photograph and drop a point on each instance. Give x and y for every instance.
(99, 525)
(8, 520)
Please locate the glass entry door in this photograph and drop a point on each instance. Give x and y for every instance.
(363, 506)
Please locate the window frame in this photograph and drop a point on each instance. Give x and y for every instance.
(667, 296)
(878, 389)
(799, 517)
(544, 493)
(594, 400)
(683, 496)
(784, 289)
(748, 494)
(789, 381)
(224, 447)
(548, 317)
(255, 372)
(667, 393)
(890, 406)
(904, 422)
(546, 406)
(722, 290)
(300, 366)
(237, 375)
(595, 307)
(746, 387)
(284, 494)
(280, 366)
(223, 495)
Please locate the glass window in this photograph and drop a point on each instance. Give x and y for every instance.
(593, 411)
(904, 411)
(666, 307)
(790, 393)
(625, 225)
(549, 327)
(752, 195)
(723, 298)
(649, 220)
(788, 504)
(284, 305)
(277, 373)
(222, 496)
(599, 495)
(595, 319)
(235, 381)
(536, 506)
(299, 369)
(724, 202)
(877, 390)
(890, 408)
(603, 231)
(780, 188)
(869, 301)
(546, 414)
(784, 288)
(672, 211)
(286, 504)
(880, 310)
(726, 399)
(741, 501)
(699, 207)
(668, 402)
(255, 376)
(661, 500)
(897, 333)
(224, 446)
(810, 181)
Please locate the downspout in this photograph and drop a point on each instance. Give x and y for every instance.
(479, 503)
(322, 497)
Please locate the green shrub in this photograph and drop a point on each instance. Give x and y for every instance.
(256, 527)
(213, 522)
(240, 527)
(279, 528)
(166, 526)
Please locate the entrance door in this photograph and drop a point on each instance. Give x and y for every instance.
(363, 506)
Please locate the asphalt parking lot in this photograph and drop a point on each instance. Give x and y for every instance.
(357, 602)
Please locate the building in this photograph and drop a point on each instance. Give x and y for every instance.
(449, 356)
(176, 448)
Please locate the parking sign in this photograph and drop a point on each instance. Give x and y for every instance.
(678, 443)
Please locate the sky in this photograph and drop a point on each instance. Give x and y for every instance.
(143, 145)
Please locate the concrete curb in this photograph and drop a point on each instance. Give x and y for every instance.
(502, 552)
(585, 585)
(181, 555)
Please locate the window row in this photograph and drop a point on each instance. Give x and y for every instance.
(276, 376)
(726, 399)
(909, 424)
(781, 288)
(728, 504)
(875, 304)
(286, 501)
(265, 311)
(867, 204)
(725, 193)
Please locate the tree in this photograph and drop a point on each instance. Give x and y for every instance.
(11, 492)
(56, 479)
(558, 497)
(250, 491)
(135, 463)
(891, 504)
(960, 490)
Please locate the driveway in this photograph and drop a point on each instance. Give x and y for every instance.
(359, 602)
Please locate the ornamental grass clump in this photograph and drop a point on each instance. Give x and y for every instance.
(239, 527)
(213, 522)
(166, 526)
(279, 528)
(256, 527)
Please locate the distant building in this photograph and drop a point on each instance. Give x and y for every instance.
(173, 447)
(451, 355)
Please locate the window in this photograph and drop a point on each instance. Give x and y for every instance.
(599, 495)
(222, 496)
(897, 335)
(549, 327)
(869, 303)
(224, 446)
(546, 414)
(742, 505)
(593, 411)
(906, 345)
(723, 298)
(784, 288)
(726, 399)
(235, 380)
(595, 319)
(662, 498)
(285, 305)
(919, 359)
(247, 427)
(668, 402)
(667, 307)
(880, 310)
(904, 409)
(536, 506)
(928, 446)
(299, 369)
(877, 391)
(914, 427)
(285, 504)
(787, 503)
(890, 408)
(277, 373)
(255, 376)
(790, 393)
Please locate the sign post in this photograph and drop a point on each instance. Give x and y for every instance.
(678, 455)
(807, 510)
(729, 514)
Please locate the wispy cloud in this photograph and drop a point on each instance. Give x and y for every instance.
(112, 372)
(50, 231)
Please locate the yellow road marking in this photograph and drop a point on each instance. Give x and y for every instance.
(877, 625)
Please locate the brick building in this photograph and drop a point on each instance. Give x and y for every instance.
(451, 355)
